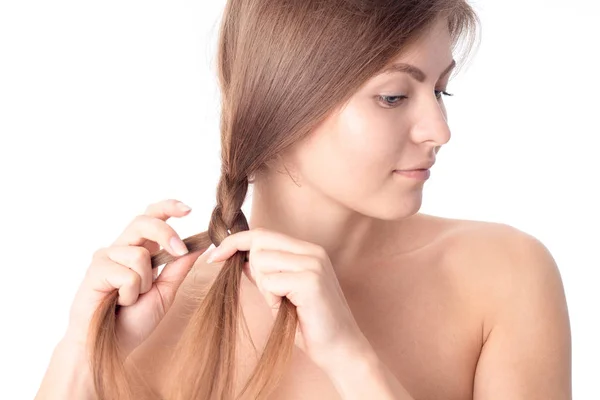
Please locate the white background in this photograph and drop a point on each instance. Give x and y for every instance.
(108, 106)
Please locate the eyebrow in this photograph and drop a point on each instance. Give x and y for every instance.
(415, 72)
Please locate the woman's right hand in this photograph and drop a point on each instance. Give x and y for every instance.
(143, 296)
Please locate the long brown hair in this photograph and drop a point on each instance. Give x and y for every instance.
(283, 66)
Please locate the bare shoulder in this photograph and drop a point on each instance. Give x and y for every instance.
(502, 265)
(495, 253)
(487, 243)
(497, 247)
(526, 328)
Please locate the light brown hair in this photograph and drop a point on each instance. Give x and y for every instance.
(283, 66)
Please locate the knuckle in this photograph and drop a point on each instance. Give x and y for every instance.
(315, 264)
(99, 253)
(127, 297)
(313, 279)
(139, 255)
(133, 279)
(147, 287)
(320, 252)
(139, 219)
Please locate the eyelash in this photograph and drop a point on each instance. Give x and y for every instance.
(438, 95)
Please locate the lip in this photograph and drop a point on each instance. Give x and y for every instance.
(426, 164)
(420, 174)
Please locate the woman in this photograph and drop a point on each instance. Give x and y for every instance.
(333, 110)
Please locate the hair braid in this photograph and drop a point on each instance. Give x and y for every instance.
(281, 71)
(227, 217)
(215, 321)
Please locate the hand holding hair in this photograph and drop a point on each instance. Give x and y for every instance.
(143, 296)
(282, 266)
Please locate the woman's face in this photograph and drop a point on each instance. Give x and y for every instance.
(352, 156)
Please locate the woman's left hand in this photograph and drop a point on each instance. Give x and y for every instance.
(301, 271)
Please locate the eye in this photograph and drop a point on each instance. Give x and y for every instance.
(391, 101)
(439, 93)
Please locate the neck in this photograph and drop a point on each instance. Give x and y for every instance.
(303, 213)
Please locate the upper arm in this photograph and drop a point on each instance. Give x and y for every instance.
(527, 353)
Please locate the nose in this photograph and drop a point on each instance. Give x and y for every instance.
(431, 123)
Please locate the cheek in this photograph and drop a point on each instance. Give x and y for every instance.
(369, 139)
(352, 155)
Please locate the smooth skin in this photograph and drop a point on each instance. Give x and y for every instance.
(145, 297)
(126, 265)
(445, 308)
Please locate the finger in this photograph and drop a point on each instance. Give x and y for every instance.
(260, 238)
(272, 300)
(267, 261)
(246, 271)
(174, 273)
(296, 286)
(290, 284)
(136, 258)
(106, 275)
(163, 210)
(144, 227)
(167, 208)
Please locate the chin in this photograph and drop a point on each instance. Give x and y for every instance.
(399, 210)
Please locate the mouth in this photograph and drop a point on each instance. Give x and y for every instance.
(419, 174)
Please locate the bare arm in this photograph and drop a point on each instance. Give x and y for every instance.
(527, 354)
(68, 375)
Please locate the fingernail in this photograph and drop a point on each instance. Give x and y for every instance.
(178, 246)
(183, 207)
(212, 256)
(210, 259)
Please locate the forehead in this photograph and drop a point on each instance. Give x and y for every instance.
(435, 43)
(429, 55)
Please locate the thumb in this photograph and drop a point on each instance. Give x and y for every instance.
(173, 274)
